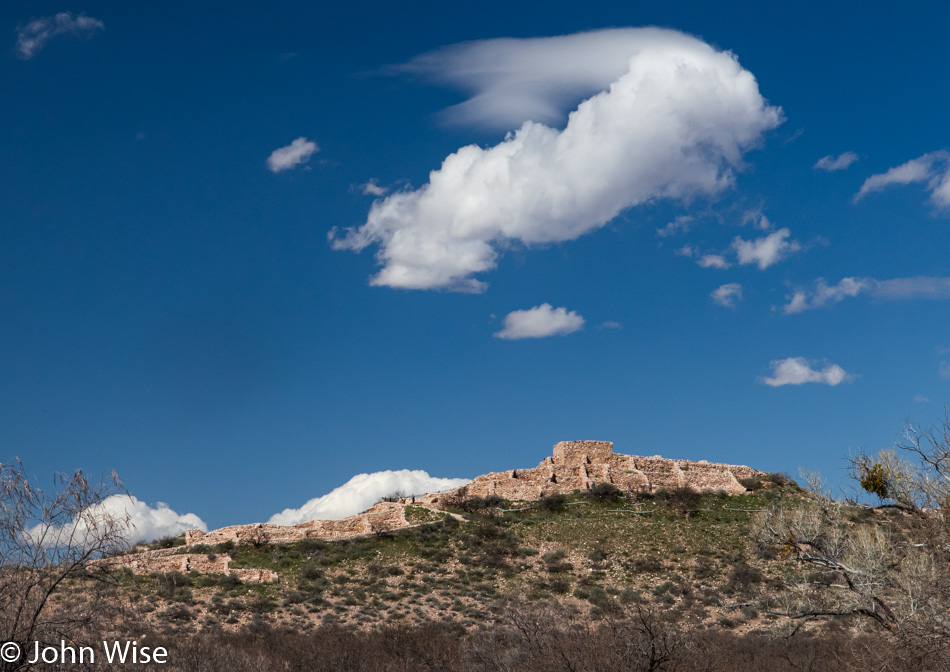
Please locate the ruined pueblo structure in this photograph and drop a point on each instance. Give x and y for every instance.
(573, 466)
(579, 465)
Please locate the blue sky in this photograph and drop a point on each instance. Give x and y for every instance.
(183, 305)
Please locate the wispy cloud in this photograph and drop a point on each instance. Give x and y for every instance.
(713, 261)
(610, 324)
(833, 163)
(728, 295)
(798, 371)
(681, 224)
(372, 188)
(932, 169)
(32, 37)
(919, 287)
(765, 251)
(921, 399)
(672, 119)
(944, 370)
(297, 152)
(540, 322)
(361, 492)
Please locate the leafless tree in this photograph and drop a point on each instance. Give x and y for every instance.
(49, 541)
(890, 568)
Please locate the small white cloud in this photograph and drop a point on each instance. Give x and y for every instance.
(921, 399)
(140, 522)
(945, 370)
(681, 224)
(713, 261)
(540, 322)
(766, 251)
(798, 371)
(686, 251)
(361, 492)
(670, 118)
(297, 152)
(727, 295)
(33, 36)
(932, 169)
(610, 324)
(918, 287)
(758, 219)
(840, 162)
(372, 188)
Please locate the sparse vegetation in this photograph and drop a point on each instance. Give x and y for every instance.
(742, 572)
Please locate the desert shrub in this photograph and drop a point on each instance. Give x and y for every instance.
(311, 572)
(311, 546)
(705, 568)
(559, 586)
(552, 502)
(781, 479)
(752, 483)
(178, 614)
(597, 555)
(605, 493)
(644, 564)
(169, 582)
(554, 562)
(681, 499)
(473, 505)
(743, 577)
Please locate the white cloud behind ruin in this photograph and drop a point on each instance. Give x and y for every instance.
(361, 492)
(139, 522)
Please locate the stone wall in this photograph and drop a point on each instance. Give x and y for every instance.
(175, 560)
(383, 517)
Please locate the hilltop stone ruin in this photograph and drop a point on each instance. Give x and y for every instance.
(573, 466)
(577, 465)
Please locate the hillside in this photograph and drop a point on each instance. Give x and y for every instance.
(756, 566)
(688, 552)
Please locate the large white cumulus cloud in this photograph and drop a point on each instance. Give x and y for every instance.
(672, 122)
(361, 492)
(137, 521)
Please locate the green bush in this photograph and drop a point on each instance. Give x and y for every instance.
(752, 483)
(605, 493)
